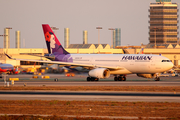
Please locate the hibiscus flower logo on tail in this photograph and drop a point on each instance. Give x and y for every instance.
(47, 36)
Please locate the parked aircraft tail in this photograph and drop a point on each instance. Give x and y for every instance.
(53, 44)
(141, 51)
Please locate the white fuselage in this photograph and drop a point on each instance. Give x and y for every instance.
(128, 63)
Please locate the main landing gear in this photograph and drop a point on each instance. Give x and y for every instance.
(92, 79)
(157, 79)
(120, 78)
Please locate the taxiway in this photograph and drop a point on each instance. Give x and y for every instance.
(79, 80)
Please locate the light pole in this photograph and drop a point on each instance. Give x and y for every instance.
(98, 33)
(54, 28)
(112, 29)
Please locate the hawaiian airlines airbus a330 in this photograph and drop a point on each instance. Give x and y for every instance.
(101, 66)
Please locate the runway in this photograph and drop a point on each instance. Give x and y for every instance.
(95, 96)
(99, 83)
(80, 80)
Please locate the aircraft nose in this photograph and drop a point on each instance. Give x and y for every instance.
(171, 65)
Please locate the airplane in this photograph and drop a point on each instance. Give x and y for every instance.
(7, 68)
(101, 66)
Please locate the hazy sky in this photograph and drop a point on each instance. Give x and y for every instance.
(78, 15)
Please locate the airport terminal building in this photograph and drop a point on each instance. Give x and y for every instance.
(170, 51)
(163, 39)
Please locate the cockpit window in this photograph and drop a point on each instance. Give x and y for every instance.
(166, 61)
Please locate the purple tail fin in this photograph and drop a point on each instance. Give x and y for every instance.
(53, 44)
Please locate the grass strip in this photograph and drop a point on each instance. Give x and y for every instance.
(98, 88)
(91, 108)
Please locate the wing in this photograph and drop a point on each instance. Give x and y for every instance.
(90, 66)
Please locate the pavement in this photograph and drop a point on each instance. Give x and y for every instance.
(80, 80)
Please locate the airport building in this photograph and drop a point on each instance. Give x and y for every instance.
(163, 39)
(163, 22)
(170, 51)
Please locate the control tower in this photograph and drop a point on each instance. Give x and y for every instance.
(163, 22)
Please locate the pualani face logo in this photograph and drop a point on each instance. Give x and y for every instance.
(136, 57)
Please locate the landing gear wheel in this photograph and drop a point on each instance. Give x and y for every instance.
(96, 79)
(120, 78)
(115, 78)
(92, 79)
(157, 79)
(88, 79)
(124, 78)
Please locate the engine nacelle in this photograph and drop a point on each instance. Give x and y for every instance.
(147, 75)
(99, 73)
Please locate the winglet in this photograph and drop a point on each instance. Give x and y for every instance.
(8, 56)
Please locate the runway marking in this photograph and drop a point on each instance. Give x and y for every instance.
(94, 96)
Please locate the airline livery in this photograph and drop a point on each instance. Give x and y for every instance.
(101, 66)
(7, 68)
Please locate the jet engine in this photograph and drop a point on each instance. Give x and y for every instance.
(147, 75)
(99, 73)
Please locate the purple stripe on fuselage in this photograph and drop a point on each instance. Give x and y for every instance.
(63, 57)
